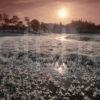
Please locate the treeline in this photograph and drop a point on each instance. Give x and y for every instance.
(82, 27)
(11, 24)
(78, 26)
(15, 24)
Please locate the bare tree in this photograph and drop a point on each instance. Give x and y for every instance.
(6, 19)
(28, 23)
(43, 27)
(35, 24)
(15, 20)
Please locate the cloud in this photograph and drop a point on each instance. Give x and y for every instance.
(42, 2)
(15, 5)
(11, 5)
(81, 8)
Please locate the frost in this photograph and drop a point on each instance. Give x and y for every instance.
(49, 74)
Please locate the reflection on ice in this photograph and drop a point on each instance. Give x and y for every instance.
(61, 38)
(61, 68)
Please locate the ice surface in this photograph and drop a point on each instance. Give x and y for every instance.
(49, 67)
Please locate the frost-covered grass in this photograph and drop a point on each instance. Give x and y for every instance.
(49, 67)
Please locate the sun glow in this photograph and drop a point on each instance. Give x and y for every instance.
(63, 13)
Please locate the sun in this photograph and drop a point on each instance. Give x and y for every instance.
(63, 13)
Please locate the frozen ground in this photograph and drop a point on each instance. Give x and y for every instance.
(50, 67)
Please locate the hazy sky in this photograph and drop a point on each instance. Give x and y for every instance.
(46, 10)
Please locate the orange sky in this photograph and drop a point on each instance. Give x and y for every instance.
(46, 10)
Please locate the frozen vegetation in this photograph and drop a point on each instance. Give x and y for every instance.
(50, 67)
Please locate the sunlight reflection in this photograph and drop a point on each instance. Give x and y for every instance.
(62, 69)
(61, 38)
